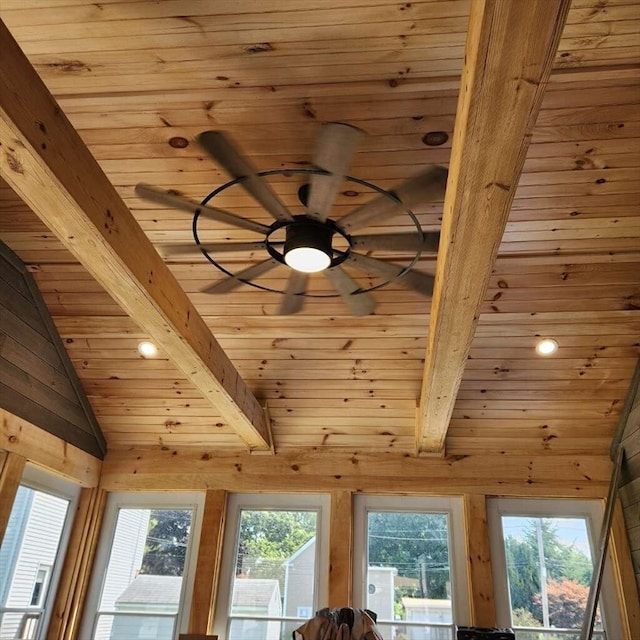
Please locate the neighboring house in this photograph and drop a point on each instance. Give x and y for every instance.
(299, 583)
(27, 556)
(427, 610)
(126, 559)
(256, 597)
(380, 587)
(299, 575)
(149, 594)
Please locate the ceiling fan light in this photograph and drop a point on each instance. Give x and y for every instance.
(307, 259)
(308, 247)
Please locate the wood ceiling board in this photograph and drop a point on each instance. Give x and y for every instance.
(591, 277)
(48, 183)
(471, 234)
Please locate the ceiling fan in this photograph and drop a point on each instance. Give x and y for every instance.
(312, 241)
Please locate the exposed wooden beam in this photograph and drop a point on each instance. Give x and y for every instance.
(313, 470)
(46, 162)
(509, 53)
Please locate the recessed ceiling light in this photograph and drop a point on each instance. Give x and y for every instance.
(147, 349)
(546, 347)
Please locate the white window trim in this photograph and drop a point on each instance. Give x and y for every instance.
(38, 479)
(145, 500)
(591, 510)
(452, 506)
(260, 501)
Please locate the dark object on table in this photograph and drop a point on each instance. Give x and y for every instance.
(483, 633)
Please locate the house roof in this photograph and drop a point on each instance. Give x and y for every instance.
(152, 589)
(250, 592)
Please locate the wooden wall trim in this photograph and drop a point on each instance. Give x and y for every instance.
(46, 450)
(207, 575)
(341, 549)
(192, 469)
(626, 587)
(482, 606)
(10, 476)
(78, 564)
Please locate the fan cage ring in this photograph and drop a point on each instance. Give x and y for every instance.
(309, 172)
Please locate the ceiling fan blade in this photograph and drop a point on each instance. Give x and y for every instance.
(428, 185)
(409, 242)
(293, 301)
(210, 247)
(225, 153)
(159, 196)
(231, 283)
(360, 304)
(416, 280)
(335, 146)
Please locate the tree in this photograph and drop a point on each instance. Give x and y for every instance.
(417, 545)
(567, 603)
(566, 565)
(166, 545)
(268, 538)
(523, 573)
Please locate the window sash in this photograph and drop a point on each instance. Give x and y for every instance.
(270, 502)
(453, 508)
(591, 511)
(39, 480)
(152, 501)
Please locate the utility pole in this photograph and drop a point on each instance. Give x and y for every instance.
(543, 576)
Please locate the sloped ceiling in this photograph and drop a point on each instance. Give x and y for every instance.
(139, 80)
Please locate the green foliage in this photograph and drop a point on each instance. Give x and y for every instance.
(523, 618)
(268, 538)
(416, 544)
(523, 573)
(166, 545)
(568, 572)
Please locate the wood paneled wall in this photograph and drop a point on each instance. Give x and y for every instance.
(629, 438)
(37, 380)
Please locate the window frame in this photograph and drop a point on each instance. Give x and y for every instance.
(144, 500)
(452, 506)
(39, 479)
(591, 510)
(238, 502)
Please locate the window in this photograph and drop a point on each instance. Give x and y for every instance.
(410, 565)
(275, 565)
(32, 551)
(143, 575)
(542, 552)
(37, 595)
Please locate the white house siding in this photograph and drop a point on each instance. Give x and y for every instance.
(12, 539)
(125, 561)
(299, 580)
(38, 548)
(380, 582)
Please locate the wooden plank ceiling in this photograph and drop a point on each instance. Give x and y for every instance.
(139, 80)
